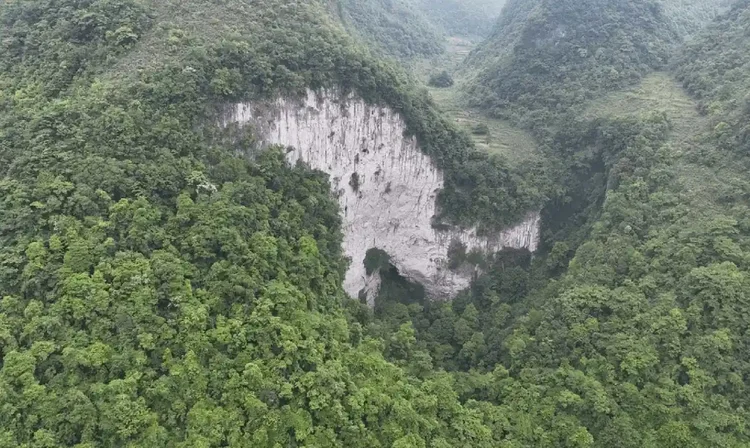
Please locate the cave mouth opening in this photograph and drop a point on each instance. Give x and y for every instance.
(394, 287)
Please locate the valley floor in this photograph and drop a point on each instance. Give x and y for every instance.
(489, 134)
(658, 92)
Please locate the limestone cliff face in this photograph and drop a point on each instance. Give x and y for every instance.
(386, 186)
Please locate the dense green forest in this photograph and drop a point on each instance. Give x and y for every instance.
(633, 324)
(393, 26)
(545, 57)
(713, 68)
(157, 288)
(413, 29)
(164, 285)
(689, 16)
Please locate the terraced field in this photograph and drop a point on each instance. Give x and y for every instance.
(489, 134)
(658, 92)
(705, 176)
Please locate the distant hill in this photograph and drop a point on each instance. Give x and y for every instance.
(714, 68)
(394, 26)
(462, 17)
(689, 16)
(545, 56)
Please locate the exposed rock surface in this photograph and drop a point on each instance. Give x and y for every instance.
(386, 186)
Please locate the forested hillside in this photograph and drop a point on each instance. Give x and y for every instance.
(544, 57)
(462, 17)
(641, 342)
(412, 29)
(634, 322)
(689, 16)
(393, 26)
(714, 68)
(165, 284)
(160, 288)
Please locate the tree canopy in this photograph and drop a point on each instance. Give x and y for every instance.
(630, 328)
(545, 57)
(393, 26)
(160, 288)
(163, 283)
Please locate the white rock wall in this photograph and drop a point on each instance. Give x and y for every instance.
(398, 184)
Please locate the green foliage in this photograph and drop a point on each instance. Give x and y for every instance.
(480, 129)
(631, 330)
(442, 80)
(639, 343)
(375, 260)
(243, 62)
(545, 57)
(462, 17)
(393, 26)
(689, 16)
(61, 40)
(713, 68)
(157, 288)
(456, 254)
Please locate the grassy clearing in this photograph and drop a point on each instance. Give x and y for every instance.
(704, 175)
(175, 23)
(456, 50)
(490, 135)
(179, 24)
(656, 93)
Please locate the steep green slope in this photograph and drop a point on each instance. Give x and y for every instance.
(159, 289)
(714, 69)
(689, 16)
(642, 342)
(635, 324)
(657, 91)
(545, 57)
(462, 17)
(394, 26)
(412, 29)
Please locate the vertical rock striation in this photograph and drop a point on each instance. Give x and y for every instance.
(386, 186)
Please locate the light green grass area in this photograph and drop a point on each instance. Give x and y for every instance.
(501, 137)
(177, 24)
(704, 174)
(498, 136)
(657, 92)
